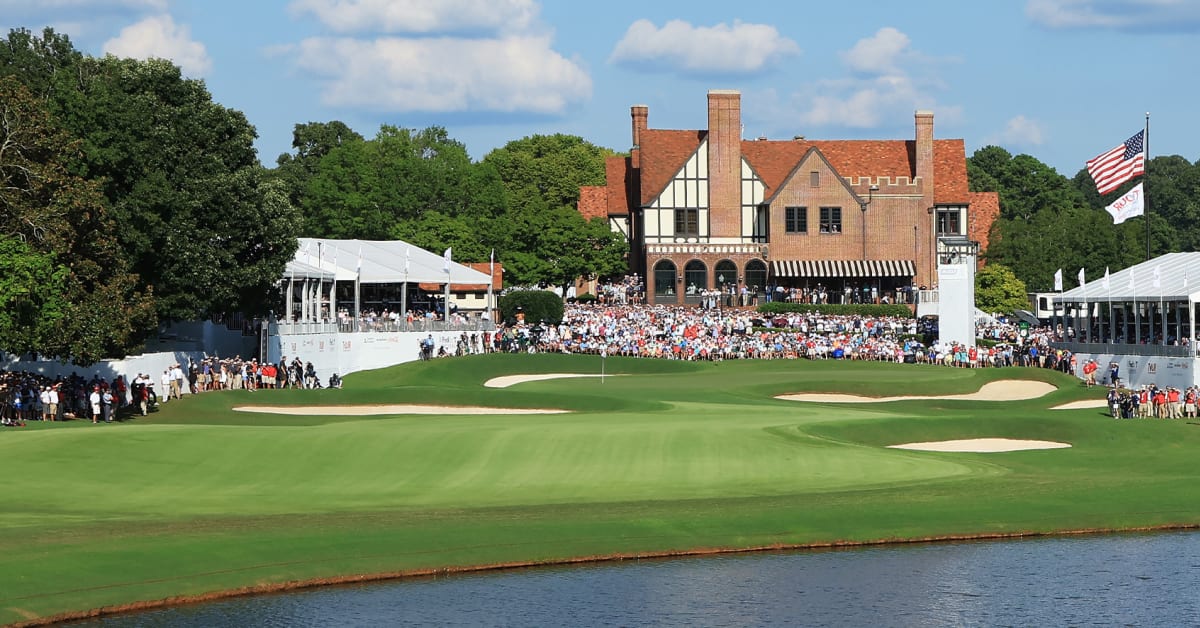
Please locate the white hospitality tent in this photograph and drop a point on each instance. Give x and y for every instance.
(320, 263)
(1151, 303)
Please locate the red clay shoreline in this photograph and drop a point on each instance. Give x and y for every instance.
(183, 600)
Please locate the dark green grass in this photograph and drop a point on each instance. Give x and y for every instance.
(663, 456)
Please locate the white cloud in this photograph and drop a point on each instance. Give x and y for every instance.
(878, 54)
(519, 74)
(862, 103)
(722, 49)
(159, 36)
(1174, 15)
(420, 16)
(889, 80)
(1019, 131)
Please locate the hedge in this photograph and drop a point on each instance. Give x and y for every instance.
(861, 309)
(538, 306)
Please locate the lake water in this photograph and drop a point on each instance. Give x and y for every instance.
(1125, 580)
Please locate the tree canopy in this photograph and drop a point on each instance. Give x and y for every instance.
(65, 287)
(1048, 221)
(998, 290)
(193, 214)
(421, 186)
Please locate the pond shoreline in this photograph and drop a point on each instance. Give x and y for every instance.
(312, 583)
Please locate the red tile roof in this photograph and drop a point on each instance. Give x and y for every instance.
(950, 186)
(663, 153)
(620, 177)
(593, 201)
(985, 209)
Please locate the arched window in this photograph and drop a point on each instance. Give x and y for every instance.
(726, 274)
(695, 281)
(664, 281)
(756, 275)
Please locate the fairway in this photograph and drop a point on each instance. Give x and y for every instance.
(200, 498)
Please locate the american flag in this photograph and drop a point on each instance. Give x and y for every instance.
(1120, 164)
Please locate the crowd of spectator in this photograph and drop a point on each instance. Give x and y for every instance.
(27, 396)
(386, 320)
(1153, 401)
(688, 333)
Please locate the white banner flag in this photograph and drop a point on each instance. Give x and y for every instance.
(446, 257)
(1130, 204)
(1104, 282)
(1157, 283)
(1058, 280)
(1081, 277)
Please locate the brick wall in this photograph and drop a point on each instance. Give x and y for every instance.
(725, 163)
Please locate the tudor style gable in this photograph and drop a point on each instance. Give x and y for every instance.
(679, 212)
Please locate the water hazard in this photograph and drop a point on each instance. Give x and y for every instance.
(1130, 580)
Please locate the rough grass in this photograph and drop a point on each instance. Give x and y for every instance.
(669, 457)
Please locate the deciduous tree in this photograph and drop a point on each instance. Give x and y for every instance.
(66, 291)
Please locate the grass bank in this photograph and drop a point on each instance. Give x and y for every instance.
(667, 457)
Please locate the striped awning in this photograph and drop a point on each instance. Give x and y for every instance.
(844, 268)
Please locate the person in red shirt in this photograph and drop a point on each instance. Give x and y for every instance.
(1173, 408)
(1160, 404)
(1089, 373)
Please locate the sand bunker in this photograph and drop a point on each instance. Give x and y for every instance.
(1079, 405)
(982, 445)
(389, 409)
(1004, 390)
(510, 380)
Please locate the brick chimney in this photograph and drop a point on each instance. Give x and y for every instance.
(924, 156)
(724, 162)
(640, 115)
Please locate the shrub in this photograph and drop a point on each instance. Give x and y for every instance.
(861, 309)
(586, 298)
(538, 306)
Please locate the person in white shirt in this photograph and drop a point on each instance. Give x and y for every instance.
(54, 399)
(44, 397)
(94, 400)
(165, 380)
(176, 381)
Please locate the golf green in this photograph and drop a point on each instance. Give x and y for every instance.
(666, 457)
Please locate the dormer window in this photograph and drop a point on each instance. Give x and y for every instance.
(951, 221)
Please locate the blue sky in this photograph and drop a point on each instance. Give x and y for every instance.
(1062, 80)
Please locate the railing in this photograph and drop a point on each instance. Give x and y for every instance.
(350, 327)
(304, 327)
(1125, 349)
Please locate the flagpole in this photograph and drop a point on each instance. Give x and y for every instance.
(404, 288)
(1145, 200)
(491, 281)
(1086, 312)
(1112, 336)
(1163, 313)
(446, 298)
(358, 292)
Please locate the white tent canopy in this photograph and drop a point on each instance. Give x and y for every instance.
(376, 261)
(1178, 280)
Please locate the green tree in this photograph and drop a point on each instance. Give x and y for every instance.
(1045, 221)
(311, 141)
(387, 186)
(998, 290)
(548, 240)
(174, 167)
(66, 290)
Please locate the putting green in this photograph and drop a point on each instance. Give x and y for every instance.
(670, 457)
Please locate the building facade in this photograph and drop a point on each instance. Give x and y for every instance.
(836, 220)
